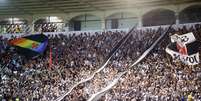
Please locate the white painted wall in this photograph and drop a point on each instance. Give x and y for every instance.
(125, 20)
(90, 25)
(88, 22)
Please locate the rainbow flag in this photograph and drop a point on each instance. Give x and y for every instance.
(30, 45)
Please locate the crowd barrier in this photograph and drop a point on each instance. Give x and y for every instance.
(92, 32)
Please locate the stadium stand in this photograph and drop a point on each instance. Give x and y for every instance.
(78, 45)
(76, 57)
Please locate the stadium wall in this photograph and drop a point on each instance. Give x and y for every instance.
(101, 20)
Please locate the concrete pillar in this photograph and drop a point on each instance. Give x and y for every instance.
(103, 24)
(140, 21)
(66, 26)
(177, 17)
(31, 24)
(32, 27)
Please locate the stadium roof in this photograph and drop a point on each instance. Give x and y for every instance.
(31, 7)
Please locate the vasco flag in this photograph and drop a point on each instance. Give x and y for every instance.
(184, 48)
(31, 45)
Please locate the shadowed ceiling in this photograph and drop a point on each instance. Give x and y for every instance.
(30, 7)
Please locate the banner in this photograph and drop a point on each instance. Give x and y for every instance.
(184, 48)
(151, 48)
(108, 58)
(97, 96)
(30, 46)
(187, 59)
(185, 38)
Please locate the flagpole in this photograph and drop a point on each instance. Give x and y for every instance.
(50, 59)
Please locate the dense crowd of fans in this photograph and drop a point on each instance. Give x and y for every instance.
(75, 58)
(22, 28)
(14, 28)
(47, 27)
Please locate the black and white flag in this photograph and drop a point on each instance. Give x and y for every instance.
(184, 48)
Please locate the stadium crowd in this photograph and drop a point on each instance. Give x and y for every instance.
(14, 28)
(47, 27)
(156, 78)
(23, 28)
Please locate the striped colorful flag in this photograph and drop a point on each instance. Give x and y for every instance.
(30, 45)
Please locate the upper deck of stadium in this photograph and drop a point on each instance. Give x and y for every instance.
(85, 15)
